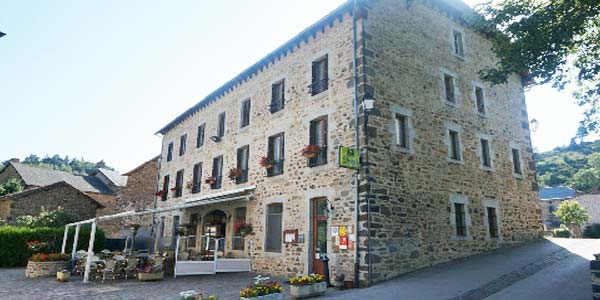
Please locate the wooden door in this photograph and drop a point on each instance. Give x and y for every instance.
(319, 234)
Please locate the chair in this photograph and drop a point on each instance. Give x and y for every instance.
(109, 269)
(131, 269)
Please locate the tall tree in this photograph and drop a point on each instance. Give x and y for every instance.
(551, 41)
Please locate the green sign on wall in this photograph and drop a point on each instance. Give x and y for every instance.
(349, 158)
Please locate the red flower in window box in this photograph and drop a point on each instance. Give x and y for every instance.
(242, 228)
(174, 190)
(211, 180)
(265, 162)
(311, 151)
(189, 184)
(234, 173)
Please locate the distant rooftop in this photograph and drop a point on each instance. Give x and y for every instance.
(557, 193)
(114, 176)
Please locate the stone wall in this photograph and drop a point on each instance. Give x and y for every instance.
(9, 172)
(45, 269)
(52, 197)
(299, 183)
(591, 202)
(410, 191)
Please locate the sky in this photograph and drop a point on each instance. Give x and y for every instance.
(97, 79)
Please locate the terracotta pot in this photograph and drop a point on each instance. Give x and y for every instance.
(311, 155)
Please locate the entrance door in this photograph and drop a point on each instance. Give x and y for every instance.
(214, 228)
(319, 236)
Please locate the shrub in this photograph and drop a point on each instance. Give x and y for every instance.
(48, 218)
(592, 231)
(563, 232)
(13, 242)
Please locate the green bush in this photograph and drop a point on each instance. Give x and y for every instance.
(592, 231)
(563, 232)
(13, 241)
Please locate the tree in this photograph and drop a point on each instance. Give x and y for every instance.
(48, 218)
(587, 179)
(12, 185)
(572, 214)
(551, 41)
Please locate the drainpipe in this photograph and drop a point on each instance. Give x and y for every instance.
(155, 204)
(357, 144)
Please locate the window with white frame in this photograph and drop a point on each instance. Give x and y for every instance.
(245, 113)
(492, 218)
(458, 47)
(454, 147)
(486, 159)
(478, 94)
(449, 90)
(274, 227)
(516, 161)
(402, 135)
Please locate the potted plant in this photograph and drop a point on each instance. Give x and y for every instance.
(211, 180)
(263, 289)
(150, 271)
(242, 228)
(160, 193)
(189, 185)
(307, 286)
(266, 162)
(311, 151)
(63, 275)
(174, 189)
(234, 173)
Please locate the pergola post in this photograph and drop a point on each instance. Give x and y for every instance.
(88, 261)
(75, 240)
(64, 244)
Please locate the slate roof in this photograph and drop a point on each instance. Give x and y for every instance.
(556, 193)
(36, 176)
(24, 193)
(114, 176)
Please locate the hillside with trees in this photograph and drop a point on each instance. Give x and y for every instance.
(576, 163)
(77, 166)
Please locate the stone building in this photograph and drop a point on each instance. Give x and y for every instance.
(446, 160)
(550, 199)
(50, 197)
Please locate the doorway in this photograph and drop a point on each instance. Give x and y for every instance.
(319, 234)
(215, 224)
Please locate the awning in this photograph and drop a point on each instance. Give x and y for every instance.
(245, 193)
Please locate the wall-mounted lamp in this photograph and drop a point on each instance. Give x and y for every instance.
(535, 125)
(368, 102)
(215, 138)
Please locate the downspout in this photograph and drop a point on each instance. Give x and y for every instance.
(155, 204)
(357, 145)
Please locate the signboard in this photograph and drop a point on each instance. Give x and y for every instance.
(343, 231)
(349, 158)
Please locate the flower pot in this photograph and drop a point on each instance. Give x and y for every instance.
(305, 291)
(311, 155)
(277, 296)
(63, 276)
(150, 276)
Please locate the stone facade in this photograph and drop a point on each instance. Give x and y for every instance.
(591, 202)
(409, 220)
(138, 194)
(9, 172)
(45, 269)
(30, 202)
(548, 207)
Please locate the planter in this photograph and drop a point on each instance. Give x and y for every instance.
(63, 276)
(45, 269)
(305, 291)
(311, 155)
(150, 276)
(277, 296)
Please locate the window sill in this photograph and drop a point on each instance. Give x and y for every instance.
(487, 169)
(320, 95)
(243, 129)
(403, 150)
(484, 115)
(461, 238)
(460, 57)
(455, 162)
(272, 254)
(518, 176)
(451, 104)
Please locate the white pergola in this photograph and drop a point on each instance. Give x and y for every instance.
(241, 194)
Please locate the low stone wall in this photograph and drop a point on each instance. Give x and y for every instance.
(44, 269)
(595, 269)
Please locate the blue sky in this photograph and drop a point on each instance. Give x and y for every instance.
(97, 79)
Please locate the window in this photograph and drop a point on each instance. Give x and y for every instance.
(479, 101)
(170, 151)
(318, 136)
(217, 172)
(516, 159)
(240, 216)
(274, 226)
(245, 114)
(460, 220)
(179, 184)
(454, 140)
(457, 39)
(200, 137)
(277, 96)
(182, 144)
(492, 222)
(166, 183)
(320, 81)
(486, 160)
(449, 89)
(276, 155)
(221, 125)
(242, 164)
(162, 227)
(197, 178)
(402, 131)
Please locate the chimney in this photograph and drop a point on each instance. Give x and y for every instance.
(14, 160)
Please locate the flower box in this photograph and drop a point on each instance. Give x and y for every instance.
(276, 296)
(150, 276)
(305, 291)
(44, 269)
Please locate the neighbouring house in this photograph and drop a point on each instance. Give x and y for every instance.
(50, 197)
(550, 199)
(446, 168)
(103, 186)
(137, 193)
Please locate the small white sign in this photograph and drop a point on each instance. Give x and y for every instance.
(335, 231)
